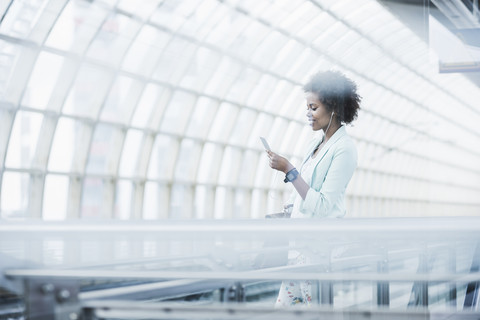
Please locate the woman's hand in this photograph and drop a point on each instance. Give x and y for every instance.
(279, 163)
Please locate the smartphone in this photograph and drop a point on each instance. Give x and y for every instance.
(265, 143)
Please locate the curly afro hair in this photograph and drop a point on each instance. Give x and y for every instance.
(337, 93)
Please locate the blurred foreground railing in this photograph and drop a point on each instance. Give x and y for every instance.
(366, 268)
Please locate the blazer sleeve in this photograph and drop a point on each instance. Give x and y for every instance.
(321, 197)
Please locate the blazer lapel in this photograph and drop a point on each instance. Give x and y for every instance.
(337, 135)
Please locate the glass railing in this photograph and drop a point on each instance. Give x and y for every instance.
(374, 268)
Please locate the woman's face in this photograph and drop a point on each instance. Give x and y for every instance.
(317, 114)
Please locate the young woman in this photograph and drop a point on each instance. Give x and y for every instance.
(328, 166)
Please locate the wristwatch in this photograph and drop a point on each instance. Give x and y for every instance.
(291, 175)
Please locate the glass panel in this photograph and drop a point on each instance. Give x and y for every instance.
(224, 121)
(202, 117)
(88, 92)
(230, 166)
(205, 18)
(23, 140)
(156, 201)
(6, 123)
(141, 9)
(104, 150)
(123, 97)
(249, 39)
(228, 29)
(8, 59)
(210, 163)
(268, 49)
(55, 198)
(14, 195)
(174, 61)
(200, 69)
(172, 14)
(178, 112)
(147, 47)
(243, 124)
(204, 202)
(187, 162)
(65, 144)
(261, 92)
(223, 78)
(123, 200)
(248, 168)
(131, 153)
(243, 86)
(262, 128)
(181, 206)
(96, 199)
(42, 81)
(21, 18)
(113, 39)
(150, 108)
(76, 26)
(164, 156)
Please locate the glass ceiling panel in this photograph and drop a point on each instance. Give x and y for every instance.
(97, 199)
(105, 150)
(298, 16)
(6, 123)
(200, 70)
(146, 104)
(21, 18)
(145, 50)
(243, 123)
(268, 49)
(230, 166)
(163, 157)
(24, 140)
(201, 118)
(174, 121)
(121, 101)
(282, 60)
(76, 26)
(249, 40)
(173, 14)
(130, 154)
(55, 197)
(227, 30)
(14, 196)
(207, 18)
(113, 39)
(225, 119)
(69, 136)
(43, 80)
(174, 60)
(142, 9)
(210, 162)
(225, 74)
(88, 92)
(261, 92)
(185, 168)
(123, 208)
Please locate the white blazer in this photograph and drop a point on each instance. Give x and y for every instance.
(334, 166)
